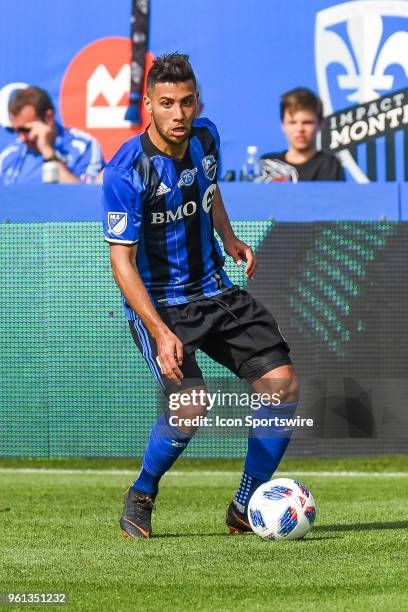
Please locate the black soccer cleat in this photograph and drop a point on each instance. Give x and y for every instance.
(237, 521)
(136, 519)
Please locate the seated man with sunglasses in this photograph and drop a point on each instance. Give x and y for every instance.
(76, 157)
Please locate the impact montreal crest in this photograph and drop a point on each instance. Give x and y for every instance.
(356, 45)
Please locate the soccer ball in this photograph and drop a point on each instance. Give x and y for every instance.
(282, 509)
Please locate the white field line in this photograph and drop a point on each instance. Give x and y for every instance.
(204, 473)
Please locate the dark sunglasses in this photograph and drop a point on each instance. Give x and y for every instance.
(20, 130)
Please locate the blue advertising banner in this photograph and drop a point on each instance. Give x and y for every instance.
(245, 56)
(304, 202)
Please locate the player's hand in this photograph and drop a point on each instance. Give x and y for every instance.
(170, 355)
(240, 251)
(41, 134)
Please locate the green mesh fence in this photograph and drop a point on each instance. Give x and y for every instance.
(73, 382)
(330, 279)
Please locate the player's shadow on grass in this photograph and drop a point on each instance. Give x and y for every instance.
(313, 538)
(217, 534)
(363, 526)
(309, 538)
(220, 534)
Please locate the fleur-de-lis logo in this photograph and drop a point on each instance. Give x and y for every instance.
(365, 62)
(365, 56)
(365, 35)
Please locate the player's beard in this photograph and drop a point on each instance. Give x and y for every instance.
(172, 140)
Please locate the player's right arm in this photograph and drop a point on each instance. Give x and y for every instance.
(121, 197)
(127, 277)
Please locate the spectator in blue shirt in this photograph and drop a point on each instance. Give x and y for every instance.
(76, 156)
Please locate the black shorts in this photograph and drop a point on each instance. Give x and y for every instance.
(232, 328)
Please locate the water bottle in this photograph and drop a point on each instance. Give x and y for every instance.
(50, 172)
(252, 167)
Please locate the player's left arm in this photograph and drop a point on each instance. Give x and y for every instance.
(234, 247)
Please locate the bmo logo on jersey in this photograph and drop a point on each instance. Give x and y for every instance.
(185, 210)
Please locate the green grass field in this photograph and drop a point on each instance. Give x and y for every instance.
(60, 533)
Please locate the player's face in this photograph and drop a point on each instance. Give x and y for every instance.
(173, 107)
(300, 128)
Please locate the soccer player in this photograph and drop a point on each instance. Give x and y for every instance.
(162, 204)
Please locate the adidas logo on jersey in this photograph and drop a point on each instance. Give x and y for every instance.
(162, 189)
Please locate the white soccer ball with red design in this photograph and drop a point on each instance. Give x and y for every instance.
(282, 509)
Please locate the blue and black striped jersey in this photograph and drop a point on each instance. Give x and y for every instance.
(164, 205)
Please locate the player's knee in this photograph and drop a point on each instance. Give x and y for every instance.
(281, 384)
(286, 388)
(289, 391)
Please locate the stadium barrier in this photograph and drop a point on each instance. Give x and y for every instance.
(280, 201)
(74, 384)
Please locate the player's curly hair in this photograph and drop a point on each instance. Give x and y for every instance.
(170, 68)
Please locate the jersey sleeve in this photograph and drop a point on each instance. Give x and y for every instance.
(122, 205)
(203, 122)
